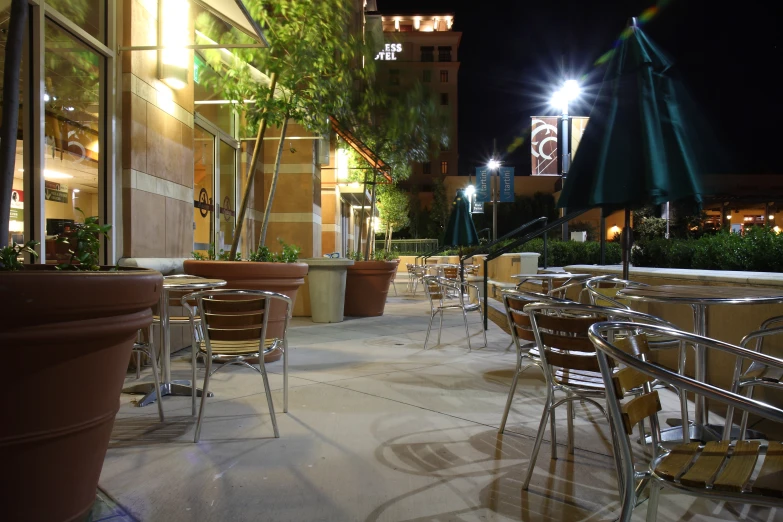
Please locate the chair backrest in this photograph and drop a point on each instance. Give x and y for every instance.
(609, 355)
(433, 288)
(519, 324)
(451, 272)
(237, 315)
(561, 331)
(603, 290)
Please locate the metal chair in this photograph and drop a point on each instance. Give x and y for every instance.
(756, 374)
(569, 362)
(234, 328)
(146, 347)
(603, 290)
(521, 332)
(717, 470)
(438, 289)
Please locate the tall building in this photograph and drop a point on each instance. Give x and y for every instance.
(420, 46)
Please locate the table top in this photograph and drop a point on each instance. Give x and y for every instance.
(552, 275)
(694, 294)
(187, 283)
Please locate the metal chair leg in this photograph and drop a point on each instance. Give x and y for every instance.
(483, 331)
(553, 429)
(440, 326)
(467, 332)
(285, 375)
(570, 427)
(268, 391)
(652, 503)
(204, 394)
(537, 446)
(156, 376)
(138, 364)
(432, 316)
(194, 349)
(510, 395)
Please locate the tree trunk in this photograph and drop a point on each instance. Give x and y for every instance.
(251, 174)
(361, 217)
(391, 233)
(271, 197)
(372, 215)
(12, 65)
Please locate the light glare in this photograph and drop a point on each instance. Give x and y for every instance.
(493, 164)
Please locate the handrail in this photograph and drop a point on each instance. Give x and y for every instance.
(485, 249)
(524, 239)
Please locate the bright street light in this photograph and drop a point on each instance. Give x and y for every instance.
(470, 190)
(565, 95)
(493, 164)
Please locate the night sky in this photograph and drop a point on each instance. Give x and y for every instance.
(514, 53)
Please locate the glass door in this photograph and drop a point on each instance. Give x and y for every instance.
(203, 190)
(214, 189)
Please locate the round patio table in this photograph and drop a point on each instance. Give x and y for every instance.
(699, 298)
(551, 277)
(178, 283)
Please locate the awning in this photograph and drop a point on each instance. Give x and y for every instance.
(363, 150)
(235, 13)
(232, 12)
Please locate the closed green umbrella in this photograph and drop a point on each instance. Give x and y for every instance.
(460, 230)
(637, 148)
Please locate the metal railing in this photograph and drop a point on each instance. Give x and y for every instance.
(408, 245)
(520, 241)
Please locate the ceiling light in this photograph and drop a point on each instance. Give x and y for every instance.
(56, 175)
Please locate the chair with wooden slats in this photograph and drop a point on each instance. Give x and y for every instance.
(569, 362)
(603, 290)
(748, 376)
(439, 291)
(234, 329)
(742, 471)
(521, 337)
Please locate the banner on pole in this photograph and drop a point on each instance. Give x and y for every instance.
(482, 185)
(506, 184)
(543, 145)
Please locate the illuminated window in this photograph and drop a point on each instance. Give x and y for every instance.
(444, 76)
(394, 76)
(427, 76)
(444, 98)
(428, 54)
(406, 28)
(444, 54)
(426, 168)
(444, 167)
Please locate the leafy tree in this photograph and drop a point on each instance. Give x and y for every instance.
(439, 212)
(309, 66)
(393, 205)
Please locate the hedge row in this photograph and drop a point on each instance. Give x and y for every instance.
(564, 253)
(759, 250)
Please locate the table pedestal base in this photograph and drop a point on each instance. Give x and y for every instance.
(175, 388)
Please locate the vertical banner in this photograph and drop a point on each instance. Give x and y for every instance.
(482, 185)
(578, 126)
(543, 145)
(506, 184)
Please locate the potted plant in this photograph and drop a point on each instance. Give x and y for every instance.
(367, 283)
(263, 270)
(70, 329)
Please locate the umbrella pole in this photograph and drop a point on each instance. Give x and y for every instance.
(627, 243)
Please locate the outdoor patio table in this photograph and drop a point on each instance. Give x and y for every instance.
(551, 277)
(699, 298)
(167, 386)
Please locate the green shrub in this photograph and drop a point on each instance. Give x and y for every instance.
(564, 253)
(759, 250)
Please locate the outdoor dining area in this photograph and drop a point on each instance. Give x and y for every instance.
(381, 419)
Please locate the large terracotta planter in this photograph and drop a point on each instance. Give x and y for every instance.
(367, 286)
(284, 278)
(69, 336)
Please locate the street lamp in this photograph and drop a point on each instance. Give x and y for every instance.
(493, 165)
(470, 190)
(560, 99)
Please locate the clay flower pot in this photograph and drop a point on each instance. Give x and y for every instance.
(69, 335)
(284, 278)
(366, 287)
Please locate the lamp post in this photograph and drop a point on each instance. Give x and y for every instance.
(470, 190)
(560, 100)
(493, 165)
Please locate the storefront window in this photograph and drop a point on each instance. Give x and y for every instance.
(16, 225)
(87, 14)
(72, 138)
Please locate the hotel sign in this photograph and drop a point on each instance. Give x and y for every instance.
(389, 52)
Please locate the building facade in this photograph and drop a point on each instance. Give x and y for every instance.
(116, 121)
(421, 48)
